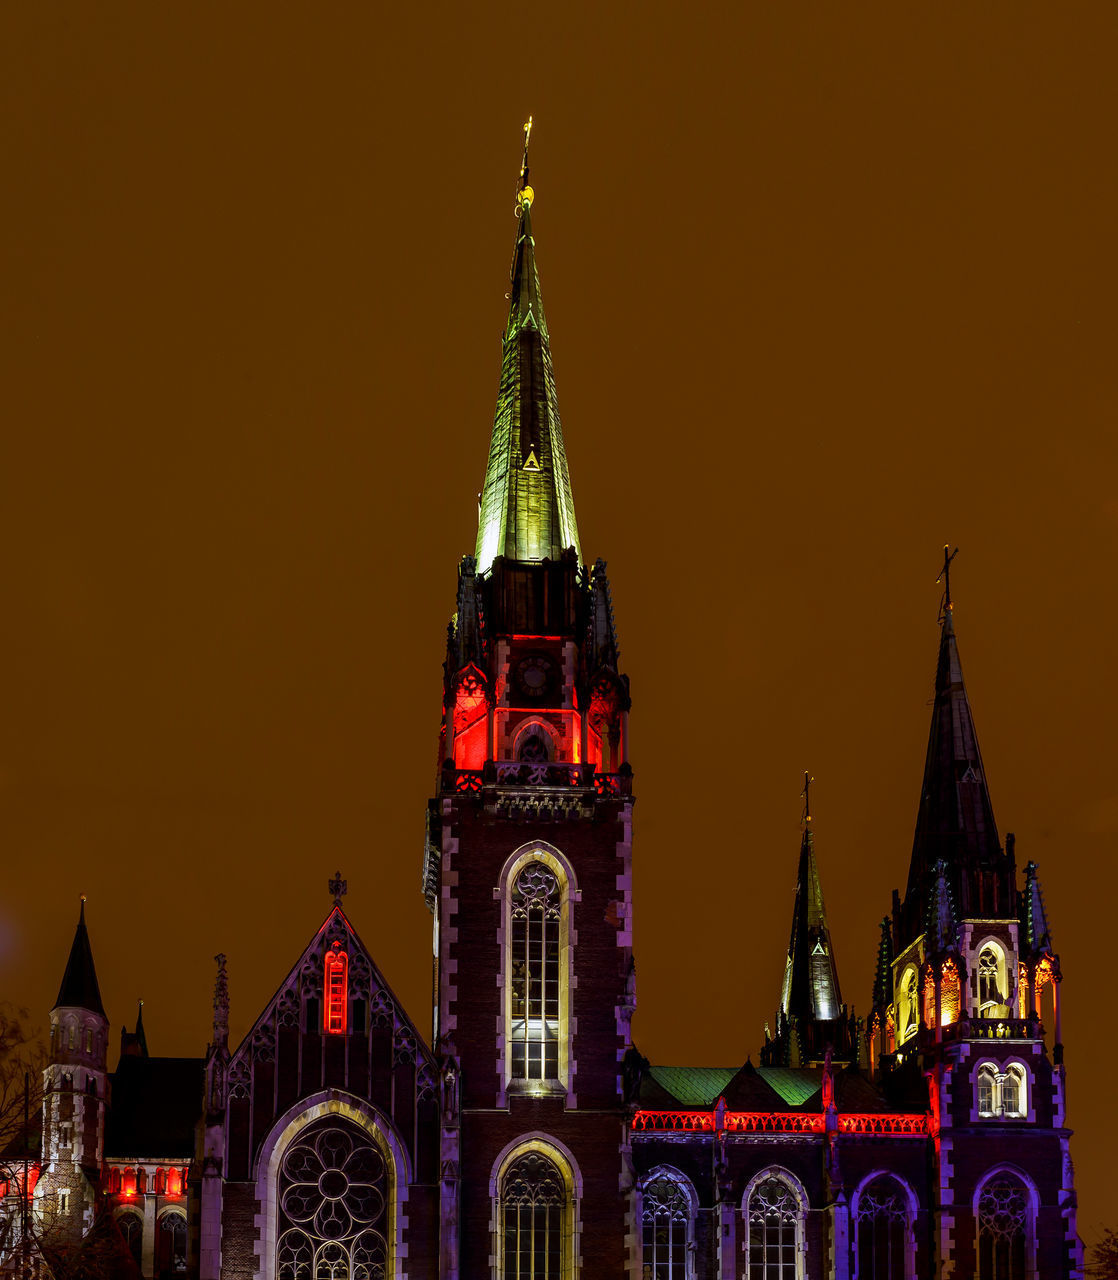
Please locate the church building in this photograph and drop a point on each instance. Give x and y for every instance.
(520, 1134)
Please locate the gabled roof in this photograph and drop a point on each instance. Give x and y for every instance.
(955, 821)
(526, 511)
(155, 1106)
(79, 989)
(335, 926)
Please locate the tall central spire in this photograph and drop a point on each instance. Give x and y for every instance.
(526, 509)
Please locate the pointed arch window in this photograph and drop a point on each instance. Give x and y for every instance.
(1004, 1229)
(774, 1225)
(881, 1225)
(1002, 1094)
(950, 994)
(534, 1219)
(534, 973)
(908, 1016)
(667, 1227)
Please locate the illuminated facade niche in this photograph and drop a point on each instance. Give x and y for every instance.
(334, 1191)
(993, 986)
(950, 995)
(908, 1011)
(336, 990)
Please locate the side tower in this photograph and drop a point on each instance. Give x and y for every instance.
(966, 990)
(527, 870)
(74, 1089)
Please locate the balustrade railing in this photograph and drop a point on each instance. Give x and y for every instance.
(891, 1124)
(537, 774)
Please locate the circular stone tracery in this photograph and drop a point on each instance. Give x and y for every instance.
(333, 1206)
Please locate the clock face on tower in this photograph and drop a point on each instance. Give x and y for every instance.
(535, 677)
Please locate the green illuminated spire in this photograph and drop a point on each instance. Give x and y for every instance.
(526, 508)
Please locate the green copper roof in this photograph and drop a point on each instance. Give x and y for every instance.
(526, 510)
(794, 1084)
(694, 1086)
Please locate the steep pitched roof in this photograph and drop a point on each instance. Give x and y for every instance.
(811, 985)
(79, 989)
(955, 821)
(526, 509)
(1035, 933)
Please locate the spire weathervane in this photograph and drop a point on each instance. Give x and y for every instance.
(806, 793)
(337, 887)
(945, 575)
(524, 193)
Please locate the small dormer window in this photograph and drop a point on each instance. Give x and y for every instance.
(336, 990)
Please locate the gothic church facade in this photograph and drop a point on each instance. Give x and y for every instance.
(529, 1139)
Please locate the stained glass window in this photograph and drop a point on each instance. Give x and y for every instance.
(666, 1218)
(534, 974)
(774, 1221)
(1003, 1211)
(533, 1211)
(333, 1206)
(881, 1223)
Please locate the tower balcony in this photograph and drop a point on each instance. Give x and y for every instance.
(540, 778)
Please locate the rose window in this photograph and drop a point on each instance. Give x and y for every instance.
(333, 1206)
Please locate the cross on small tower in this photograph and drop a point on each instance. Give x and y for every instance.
(337, 887)
(806, 793)
(945, 574)
(524, 160)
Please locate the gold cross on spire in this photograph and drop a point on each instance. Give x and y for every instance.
(945, 574)
(524, 193)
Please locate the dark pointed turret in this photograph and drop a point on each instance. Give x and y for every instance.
(955, 822)
(526, 511)
(1036, 937)
(79, 989)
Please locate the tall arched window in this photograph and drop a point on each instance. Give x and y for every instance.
(170, 1245)
(881, 1230)
(334, 1191)
(666, 1228)
(1003, 1229)
(534, 973)
(534, 1208)
(774, 1224)
(132, 1229)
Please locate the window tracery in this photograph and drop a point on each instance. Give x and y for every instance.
(881, 1227)
(774, 1221)
(336, 989)
(992, 986)
(666, 1229)
(534, 978)
(907, 1013)
(1002, 1093)
(1003, 1229)
(333, 1206)
(534, 1209)
(950, 994)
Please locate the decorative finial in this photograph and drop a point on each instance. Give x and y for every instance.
(337, 887)
(945, 576)
(83, 897)
(806, 793)
(221, 1003)
(524, 193)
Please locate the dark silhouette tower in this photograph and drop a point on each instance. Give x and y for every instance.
(528, 870)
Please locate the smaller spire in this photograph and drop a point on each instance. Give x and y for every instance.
(79, 989)
(883, 977)
(221, 1005)
(940, 926)
(1034, 917)
(141, 1036)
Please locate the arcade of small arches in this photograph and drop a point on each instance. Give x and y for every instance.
(936, 995)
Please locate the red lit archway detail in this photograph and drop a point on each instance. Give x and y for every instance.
(336, 991)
